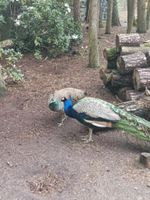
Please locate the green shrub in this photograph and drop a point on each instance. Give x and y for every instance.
(46, 26)
(8, 69)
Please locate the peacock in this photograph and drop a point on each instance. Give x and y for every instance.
(55, 104)
(98, 114)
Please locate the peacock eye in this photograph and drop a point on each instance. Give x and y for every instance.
(63, 99)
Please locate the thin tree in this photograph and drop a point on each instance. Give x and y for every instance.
(76, 10)
(109, 16)
(148, 15)
(93, 34)
(141, 16)
(115, 14)
(100, 16)
(130, 14)
(87, 11)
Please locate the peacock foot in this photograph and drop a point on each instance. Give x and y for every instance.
(86, 139)
(60, 124)
(62, 121)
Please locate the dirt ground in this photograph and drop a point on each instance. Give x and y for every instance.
(41, 161)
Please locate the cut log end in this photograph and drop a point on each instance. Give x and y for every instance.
(148, 57)
(136, 80)
(145, 159)
(110, 54)
(141, 78)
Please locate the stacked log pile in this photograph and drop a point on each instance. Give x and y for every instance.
(127, 74)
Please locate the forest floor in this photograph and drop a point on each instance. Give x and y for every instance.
(41, 161)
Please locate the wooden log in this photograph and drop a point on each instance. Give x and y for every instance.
(133, 95)
(110, 54)
(145, 159)
(121, 93)
(139, 107)
(129, 50)
(105, 76)
(112, 79)
(141, 78)
(128, 94)
(132, 39)
(119, 81)
(146, 43)
(127, 63)
(148, 57)
(112, 64)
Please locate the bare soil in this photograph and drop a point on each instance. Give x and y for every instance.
(41, 161)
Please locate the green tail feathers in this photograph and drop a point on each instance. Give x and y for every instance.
(140, 132)
(131, 124)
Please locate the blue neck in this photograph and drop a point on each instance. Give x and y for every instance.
(68, 109)
(67, 105)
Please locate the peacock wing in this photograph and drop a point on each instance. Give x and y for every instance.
(94, 108)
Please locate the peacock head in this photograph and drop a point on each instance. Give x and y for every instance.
(54, 105)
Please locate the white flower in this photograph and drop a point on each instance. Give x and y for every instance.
(74, 36)
(17, 22)
(19, 16)
(30, 8)
(67, 7)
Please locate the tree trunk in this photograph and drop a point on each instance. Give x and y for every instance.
(127, 63)
(101, 17)
(87, 11)
(2, 86)
(141, 79)
(148, 15)
(130, 13)
(76, 11)
(115, 14)
(129, 50)
(132, 39)
(98, 15)
(93, 34)
(141, 16)
(109, 16)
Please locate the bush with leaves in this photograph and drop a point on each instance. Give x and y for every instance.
(9, 70)
(46, 26)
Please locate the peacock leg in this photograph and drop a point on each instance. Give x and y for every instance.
(64, 117)
(88, 138)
